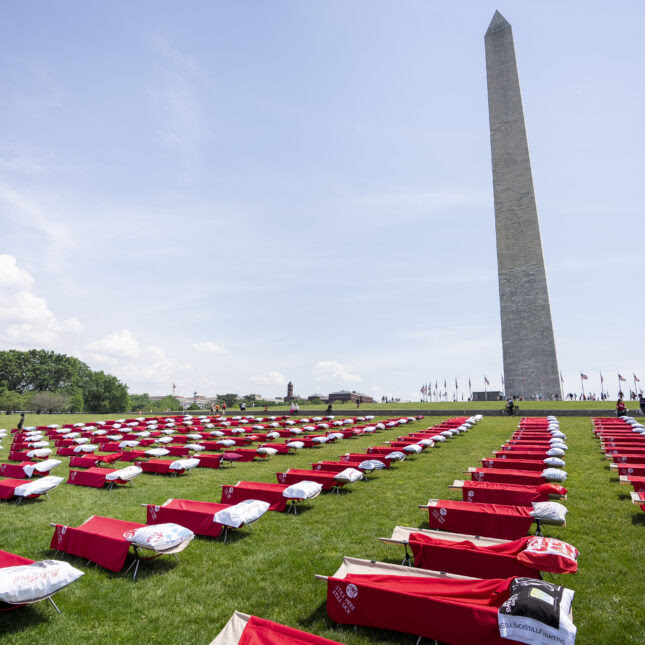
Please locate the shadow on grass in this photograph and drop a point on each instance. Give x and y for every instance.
(21, 618)
(638, 519)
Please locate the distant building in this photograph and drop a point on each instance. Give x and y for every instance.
(491, 395)
(344, 396)
(290, 396)
(255, 397)
(315, 397)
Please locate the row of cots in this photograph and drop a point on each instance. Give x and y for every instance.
(382, 595)
(622, 440)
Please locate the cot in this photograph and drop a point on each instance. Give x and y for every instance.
(10, 488)
(101, 477)
(277, 495)
(514, 494)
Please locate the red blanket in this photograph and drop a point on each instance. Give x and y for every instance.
(504, 476)
(494, 493)
(209, 461)
(631, 469)
(194, 515)
(514, 464)
(11, 560)
(638, 484)
(460, 612)
(15, 470)
(93, 477)
(293, 476)
(99, 539)
(83, 462)
(8, 486)
(271, 493)
(467, 559)
(489, 520)
(259, 631)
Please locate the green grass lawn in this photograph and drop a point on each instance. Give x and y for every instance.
(268, 569)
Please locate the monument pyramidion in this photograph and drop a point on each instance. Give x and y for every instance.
(530, 362)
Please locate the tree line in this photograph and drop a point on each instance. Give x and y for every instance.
(42, 381)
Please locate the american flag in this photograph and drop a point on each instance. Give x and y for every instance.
(636, 378)
(584, 377)
(486, 380)
(620, 378)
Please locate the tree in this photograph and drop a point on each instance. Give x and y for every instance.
(12, 401)
(193, 406)
(140, 402)
(49, 402)
(168, 403)
(105, 393)
(229, 399)
(76, 400)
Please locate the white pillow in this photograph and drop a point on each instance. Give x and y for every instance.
(128, 444)
(194, 435)
(226, 442)
(380, 426)
(397, 455)
(555, 452)
(245, 512)
(302, 490)
(267, 451)
(29, 583)
(349, 475)
(165, 440)
(426, 442)
(554, 474)
(41, 444)
(194, 446)
(159, 537)
(438, 437)
(125, 474)
(296, 444)
(157, 452)
(554, 462)
(320, 439)
(413, 447)
(184, 464)
(371, 464)
(38, 486)
(116, 437)
(335, 435)
(88, 447)
(549, 511)
(40, 452)
(42, 467)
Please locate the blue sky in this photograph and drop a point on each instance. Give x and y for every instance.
(229, 195)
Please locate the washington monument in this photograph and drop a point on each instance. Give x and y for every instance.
(530, 363)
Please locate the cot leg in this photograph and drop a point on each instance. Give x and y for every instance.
(408, 558)
(538, 528)
(51, 600)
(176, 558)
(136, 569)
(48, 497)
(225, 533)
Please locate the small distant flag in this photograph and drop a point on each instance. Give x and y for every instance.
(456, 385)
(620, 378)
(636, 378)
(469, 384)
(602, 380)
(486, 380)
(584, 377)
(445, 385)
(424, 389)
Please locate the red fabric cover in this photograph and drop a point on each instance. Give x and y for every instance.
(548, 554)
(271, 493)
(108, 459)
(18, 455)
(282, 448)
(82, 461)
(357, 456)
(293, 476)
(632, 458)
(514, 464)
(522, 454)
(93, 477)
(259, 631)
(177, 451)
(489, 520)
(8, 486)
(335, 466)
(552, 489)
(637, 470)
(133, 455)
(157, 466)
(246, 454)
(504, 476)
(11, 560)
(66, 451)
(210, 461)
(194, 515)
(638, 484)
(15, 470)
(493, 493)
(467, 559)
(99, 539)
(460, 612)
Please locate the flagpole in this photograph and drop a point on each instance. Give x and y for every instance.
(582, 385)
(635, 388)
(602, 387)
(485, 389)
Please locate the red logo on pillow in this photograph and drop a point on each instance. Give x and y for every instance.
(549, 554)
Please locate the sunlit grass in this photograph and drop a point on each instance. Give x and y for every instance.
(269, 569)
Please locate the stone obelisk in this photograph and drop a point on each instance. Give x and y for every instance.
(530, 363)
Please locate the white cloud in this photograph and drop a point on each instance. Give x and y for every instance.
(28, 319)
(272, 378)
(120, 344)
(210, 347)
(11, 276)
(333, 370)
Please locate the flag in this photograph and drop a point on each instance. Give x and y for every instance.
(620, 378)
(636, 378)
(486, 380)
(584, 377)
(456, 386)
(445, 386)
(436, 385)
(602, 380)
(469, 385)
(423, 390)
(561, 377)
